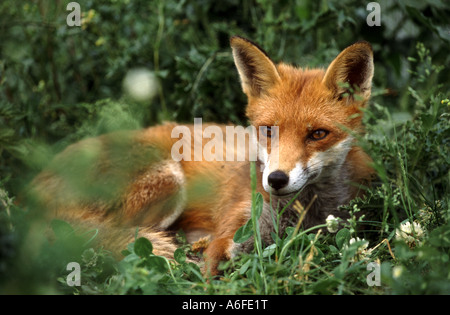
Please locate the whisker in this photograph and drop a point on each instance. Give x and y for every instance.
(306, 169)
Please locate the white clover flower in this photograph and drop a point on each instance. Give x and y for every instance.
(363, 252)
(411, 234)
(141, 84)
(397, 272)
(363, 246)
(332, 224)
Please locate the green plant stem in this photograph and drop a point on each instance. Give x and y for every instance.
(289, 243)
(255, 224)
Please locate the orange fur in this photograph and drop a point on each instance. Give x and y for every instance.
(129, 180)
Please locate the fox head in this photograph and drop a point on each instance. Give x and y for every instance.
(313, 110)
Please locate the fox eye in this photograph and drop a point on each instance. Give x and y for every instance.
(267, 131)
(318, 134)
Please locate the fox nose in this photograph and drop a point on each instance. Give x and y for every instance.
(278, 179)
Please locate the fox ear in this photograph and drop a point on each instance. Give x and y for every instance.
(352, 68)
(257, 72)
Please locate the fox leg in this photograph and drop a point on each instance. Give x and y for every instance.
(221, 248)
(218, 250)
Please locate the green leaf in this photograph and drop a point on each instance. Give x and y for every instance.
(179, 255)
(258, 207)
(269, 250)
(326, 286)
(244, 267)
(342, 237)
(88, 255)
(125, 252)
(143, 247)
(157, 263)
(421, 18)
(440, 237)
(333, 249)
(61, 228)
(243, 233)
(130, 258)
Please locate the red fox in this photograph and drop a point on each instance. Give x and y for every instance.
(125, 180)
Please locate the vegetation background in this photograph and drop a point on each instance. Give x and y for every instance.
(59, 84)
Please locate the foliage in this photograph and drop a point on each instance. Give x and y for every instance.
(60, 84)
